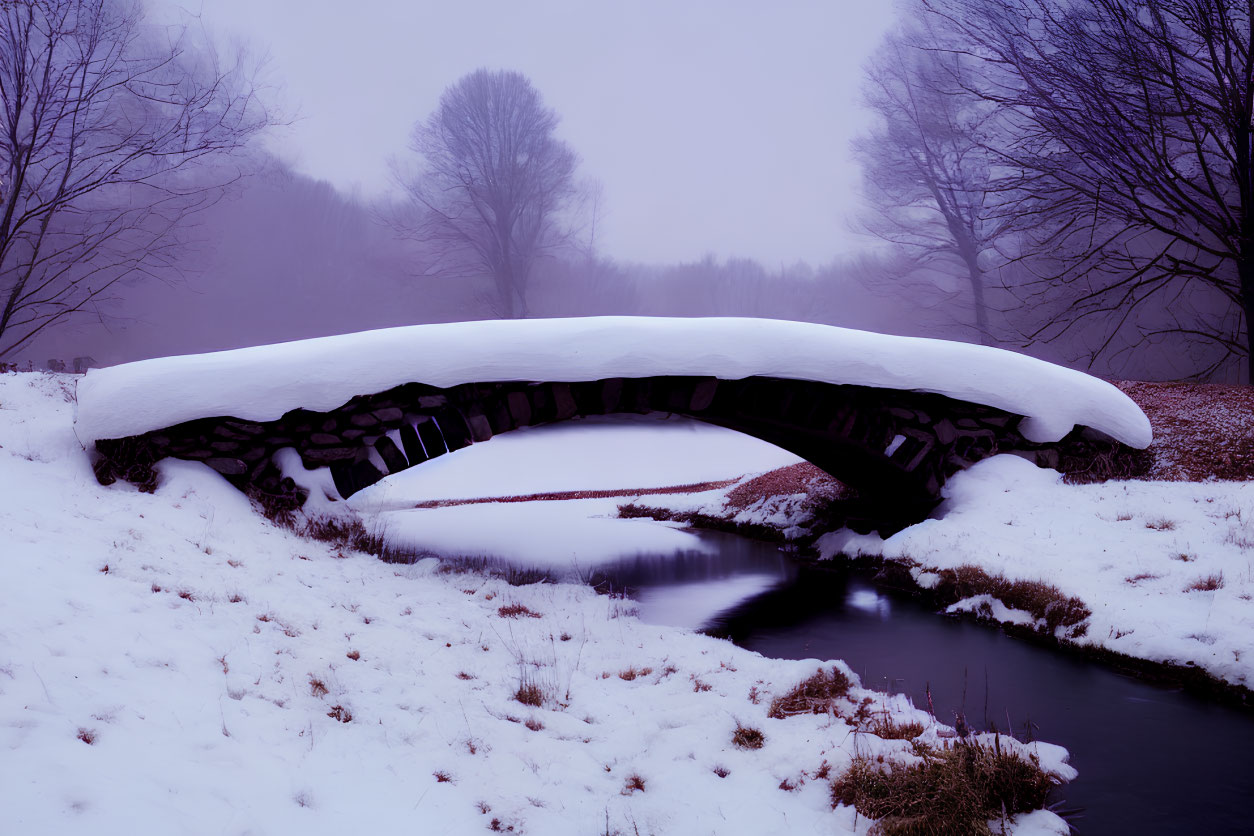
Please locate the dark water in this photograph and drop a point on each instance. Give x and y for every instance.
(1151, 760)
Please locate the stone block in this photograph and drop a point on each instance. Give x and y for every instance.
(391, 454)
(432, 440)
(564, 405)
(325, 439)
(364, 419)
(389, 415)
(412, 444)
(703, 395)
(320, 456)
(365, 474)
(519, 408)
(228, 467)
(480, 429)
(453, 428)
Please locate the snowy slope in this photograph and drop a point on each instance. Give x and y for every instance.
(169, 663)
(263, 382)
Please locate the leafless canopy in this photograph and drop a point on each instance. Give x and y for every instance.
(1129, 139)
(926, 170)
(107, 131)
(495, 181)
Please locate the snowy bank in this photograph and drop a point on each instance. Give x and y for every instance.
(171, 662)
(264, 382)
(1167, 568)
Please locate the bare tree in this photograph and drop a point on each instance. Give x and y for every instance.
(926, 171)
(494, 183)
(108, 133)
(1134, 151)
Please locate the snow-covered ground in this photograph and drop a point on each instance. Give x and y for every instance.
(1166, 567)
(172, 663)
(596, 453)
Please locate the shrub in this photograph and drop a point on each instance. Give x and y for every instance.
(816, 695)
(954, 791)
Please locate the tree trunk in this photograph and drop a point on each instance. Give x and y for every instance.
(1245, 270)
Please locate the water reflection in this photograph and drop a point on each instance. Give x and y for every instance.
(1151, 760)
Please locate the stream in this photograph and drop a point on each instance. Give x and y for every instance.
(1152, 760)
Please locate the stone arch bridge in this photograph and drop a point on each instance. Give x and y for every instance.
(895, 448)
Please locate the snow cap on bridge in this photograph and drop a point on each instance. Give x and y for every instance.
(262, 383)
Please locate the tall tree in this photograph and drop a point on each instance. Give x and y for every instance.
(1133, 150)
(926, 171)
(494, 183)
(109, 132)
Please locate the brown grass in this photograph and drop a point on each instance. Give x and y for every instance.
(1142, 576)
(516, 611)
(339, 712)
(534, 723)
(748, 738)
(802, 477)
(634, 783)
(88, 736)
(631, 673)
(953, 792)
(1042, 600)
(1201, 431)
(816, 695)
(1210, 583)
(353, 654)
(885, 728)
(442, 777)
(317, 687)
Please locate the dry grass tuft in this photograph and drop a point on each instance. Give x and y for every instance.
(1142, 576)
(886, 729)
(1210, 583)
(340, 713)
(954, 791)
(517, 611)
(634, 783)
(343, 534)
(1161, 525)
(353, 654)
(631, 673)
(721, 771)
(748, 738)
(442, 777)
(533, 723)
(816, 695)
(88, 736)
(1044, 601)
(317, 687)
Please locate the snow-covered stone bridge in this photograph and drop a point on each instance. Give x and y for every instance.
(891, 417)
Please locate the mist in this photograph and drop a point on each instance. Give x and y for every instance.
(714, 203)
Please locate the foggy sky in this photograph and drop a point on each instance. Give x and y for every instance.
(715, 127)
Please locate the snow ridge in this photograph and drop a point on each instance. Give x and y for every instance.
(262, 383)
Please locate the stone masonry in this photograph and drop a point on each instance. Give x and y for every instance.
(894, 448)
